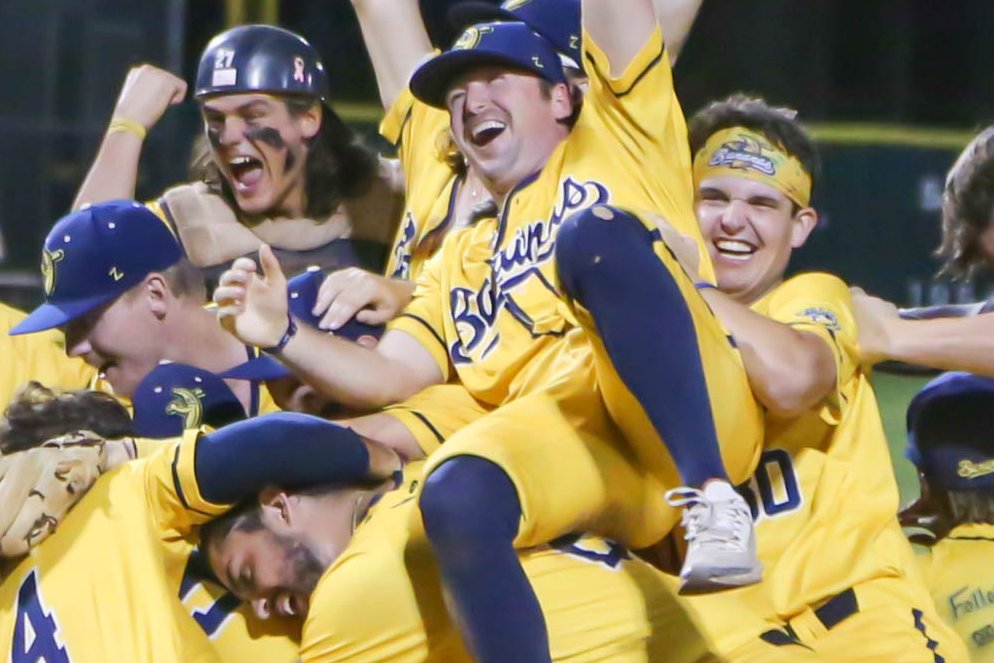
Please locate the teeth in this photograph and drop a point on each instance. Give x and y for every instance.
(486, 125)
(734, 246)
(240, 161)
(286, 606)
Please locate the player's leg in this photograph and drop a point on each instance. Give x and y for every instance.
(519, 477)
(603, 604)
(669, 352)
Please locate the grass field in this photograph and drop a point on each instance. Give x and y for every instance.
(894, 392)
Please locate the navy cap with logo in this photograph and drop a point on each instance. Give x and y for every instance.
(260, 58)
(951, 432)
(302, 291)
(95, 255)
(512, 45)
(556, 20)
(177, 397)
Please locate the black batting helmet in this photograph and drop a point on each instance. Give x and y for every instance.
(260, 58)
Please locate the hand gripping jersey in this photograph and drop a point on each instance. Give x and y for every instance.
(122, 580)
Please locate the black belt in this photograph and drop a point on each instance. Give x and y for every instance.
(835, 610)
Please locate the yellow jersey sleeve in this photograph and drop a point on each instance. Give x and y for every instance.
(820, 304)
(172, 491)
(420, 134)
(637, 113)
(424, 316)
(436, 413)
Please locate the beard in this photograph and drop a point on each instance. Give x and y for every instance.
(305, 567)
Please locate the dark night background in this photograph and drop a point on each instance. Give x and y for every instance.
(919, 68)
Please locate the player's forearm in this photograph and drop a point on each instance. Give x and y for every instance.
(396, 41)
(954, 344)
(789, 371)
(114, 171)
(285, 449)
(619, 27)
(676, 18)
(349, 373)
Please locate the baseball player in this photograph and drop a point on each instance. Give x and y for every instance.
(487, 309)
(949, 440)
(354, 565)
(283, 168)
(121, 578)
(840, 579)
(443, 192)
(961, 343)
(116, 281)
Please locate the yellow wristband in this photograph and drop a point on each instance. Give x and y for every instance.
(128, 126)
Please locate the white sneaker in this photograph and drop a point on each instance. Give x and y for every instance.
(721, 541)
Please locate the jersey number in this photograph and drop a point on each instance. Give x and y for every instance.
(773, 489)
(211, 618)
(36, 633)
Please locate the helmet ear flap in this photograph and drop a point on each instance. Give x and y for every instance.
(260, 58)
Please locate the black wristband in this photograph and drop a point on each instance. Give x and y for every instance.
(291, 329)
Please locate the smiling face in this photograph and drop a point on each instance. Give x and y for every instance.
(260, 148)
(505, 123)
(120, 339)
(751, 230)
(276, 573)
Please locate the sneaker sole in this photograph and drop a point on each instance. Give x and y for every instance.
(708, 585)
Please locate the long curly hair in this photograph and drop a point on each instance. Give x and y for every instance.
(37, 414)
(968, 207)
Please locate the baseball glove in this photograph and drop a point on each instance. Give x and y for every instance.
(39, 486)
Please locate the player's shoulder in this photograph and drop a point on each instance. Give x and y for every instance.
(814, 282)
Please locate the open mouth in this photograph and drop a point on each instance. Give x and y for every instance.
(246, 171)
(735, 249)
(290, 605)
(485, 132)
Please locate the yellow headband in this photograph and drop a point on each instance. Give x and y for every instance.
(740, 152)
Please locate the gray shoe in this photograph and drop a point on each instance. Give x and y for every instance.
(721, 540)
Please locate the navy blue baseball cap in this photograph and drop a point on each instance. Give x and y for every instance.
(95, 255)
(513, 45)
(260, 58)
(556, 20)
(302, 291)
(177, 397)
(951, 432)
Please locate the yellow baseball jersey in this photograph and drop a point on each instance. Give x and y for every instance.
(381, 599)
(121, 579)
(40, 357)
(436, 413)
(417, 131)
(825, 500)
(486, 305)
(957, 570)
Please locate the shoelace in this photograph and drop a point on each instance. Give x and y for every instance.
(704, 524)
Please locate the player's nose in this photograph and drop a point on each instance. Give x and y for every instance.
(78, 345)
(735, 216)
(477, 96)
(232, 131)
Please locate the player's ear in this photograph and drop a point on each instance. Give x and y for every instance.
(562, 101)
(803, 223)
(310, 120)
(276, 505)
(157, 293)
